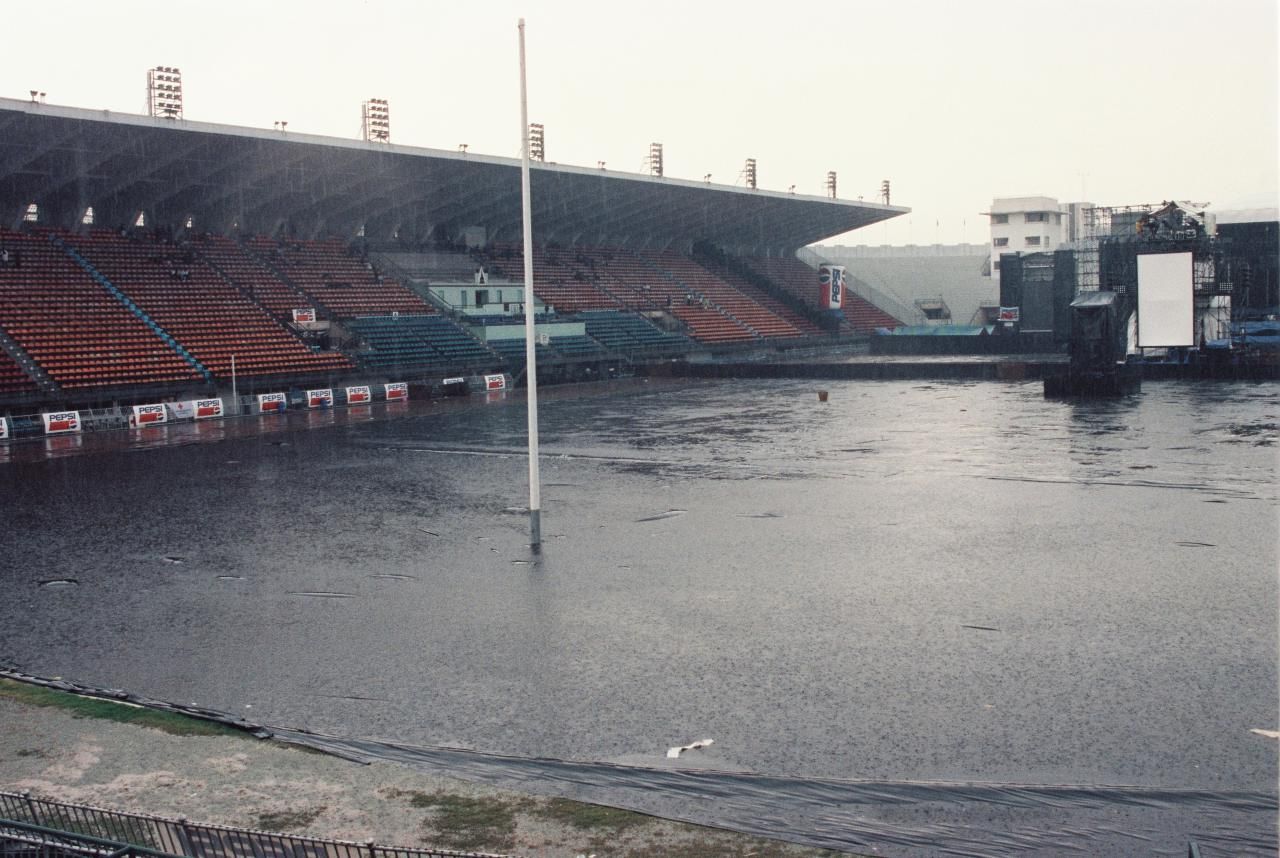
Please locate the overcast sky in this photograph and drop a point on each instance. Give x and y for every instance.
(1117, 102)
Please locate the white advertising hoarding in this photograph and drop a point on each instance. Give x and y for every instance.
(1166, 300)
(61, 421)
(148, 415)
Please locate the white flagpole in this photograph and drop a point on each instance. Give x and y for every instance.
(530, 329)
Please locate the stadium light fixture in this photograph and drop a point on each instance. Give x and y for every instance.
(749, 173)
(462, 147)
(600, 164)
(707, 178)
(375, 120)
(537, 142)
(884, 191)
(655, 160)
(831, 184)
(164, 92)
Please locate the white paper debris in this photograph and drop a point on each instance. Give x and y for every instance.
(673, 753)
(1270, 734)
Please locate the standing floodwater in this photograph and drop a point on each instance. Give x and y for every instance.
(909, 582)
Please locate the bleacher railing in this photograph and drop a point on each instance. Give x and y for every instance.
(107, 832)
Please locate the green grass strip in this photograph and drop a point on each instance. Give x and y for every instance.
(110, 710)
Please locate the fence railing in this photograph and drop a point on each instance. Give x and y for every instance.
(117, 830)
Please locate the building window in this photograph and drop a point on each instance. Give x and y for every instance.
(996, 265)
(995, 218)
(1033, 241)
(1036, 217)
(1000, 242)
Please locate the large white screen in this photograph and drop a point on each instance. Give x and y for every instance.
(1166, 300)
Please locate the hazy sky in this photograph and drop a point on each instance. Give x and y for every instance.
(1118, 102)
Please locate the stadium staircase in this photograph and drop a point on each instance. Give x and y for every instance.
(19, 373)
(129, 305)
(254, 278)
(195, 306)
(706, 321)
(344, 285)
(80, 335)
(801, 280)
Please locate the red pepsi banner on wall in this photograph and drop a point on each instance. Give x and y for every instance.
(61, 421)
(207, 408)
(495, 382)
(270, 402)
(357, 395)
(396, 391)
(148, 415)
(320, 398)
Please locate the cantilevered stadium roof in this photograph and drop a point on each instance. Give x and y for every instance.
(224, 177)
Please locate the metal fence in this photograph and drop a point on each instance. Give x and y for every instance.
(153, 834)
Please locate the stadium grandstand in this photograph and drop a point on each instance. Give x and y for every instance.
(151, 258)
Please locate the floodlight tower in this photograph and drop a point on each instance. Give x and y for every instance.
(831, 184)
(749, 173)
(375, 121)
(537, 142)
(884, 191)
(164, 92)
(655, 160)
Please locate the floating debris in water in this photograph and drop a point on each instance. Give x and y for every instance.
(760, 515)
(1270, 734)
(1189, 544)
(173, 559)
(326, 595)
(671, 513)
(979, 628)
(391, 576)
(428, 532)
(673, 753)
(59, 582)
(229, 577)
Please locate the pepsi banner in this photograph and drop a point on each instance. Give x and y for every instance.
(495, 382)
(399, 391)
(357, 395)
(320, 398)
(58, 422)
(1009, 315)
(306, 315)
(272, 402)
(831, 287)
(4, 428)
(148, 415)
(205, 409)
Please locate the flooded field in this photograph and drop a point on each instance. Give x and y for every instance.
(910, 583)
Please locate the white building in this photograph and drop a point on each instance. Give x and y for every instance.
(1030, 225)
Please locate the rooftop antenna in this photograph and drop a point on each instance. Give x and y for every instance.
(530, 329)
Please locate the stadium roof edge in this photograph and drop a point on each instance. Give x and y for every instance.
(267, 181)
